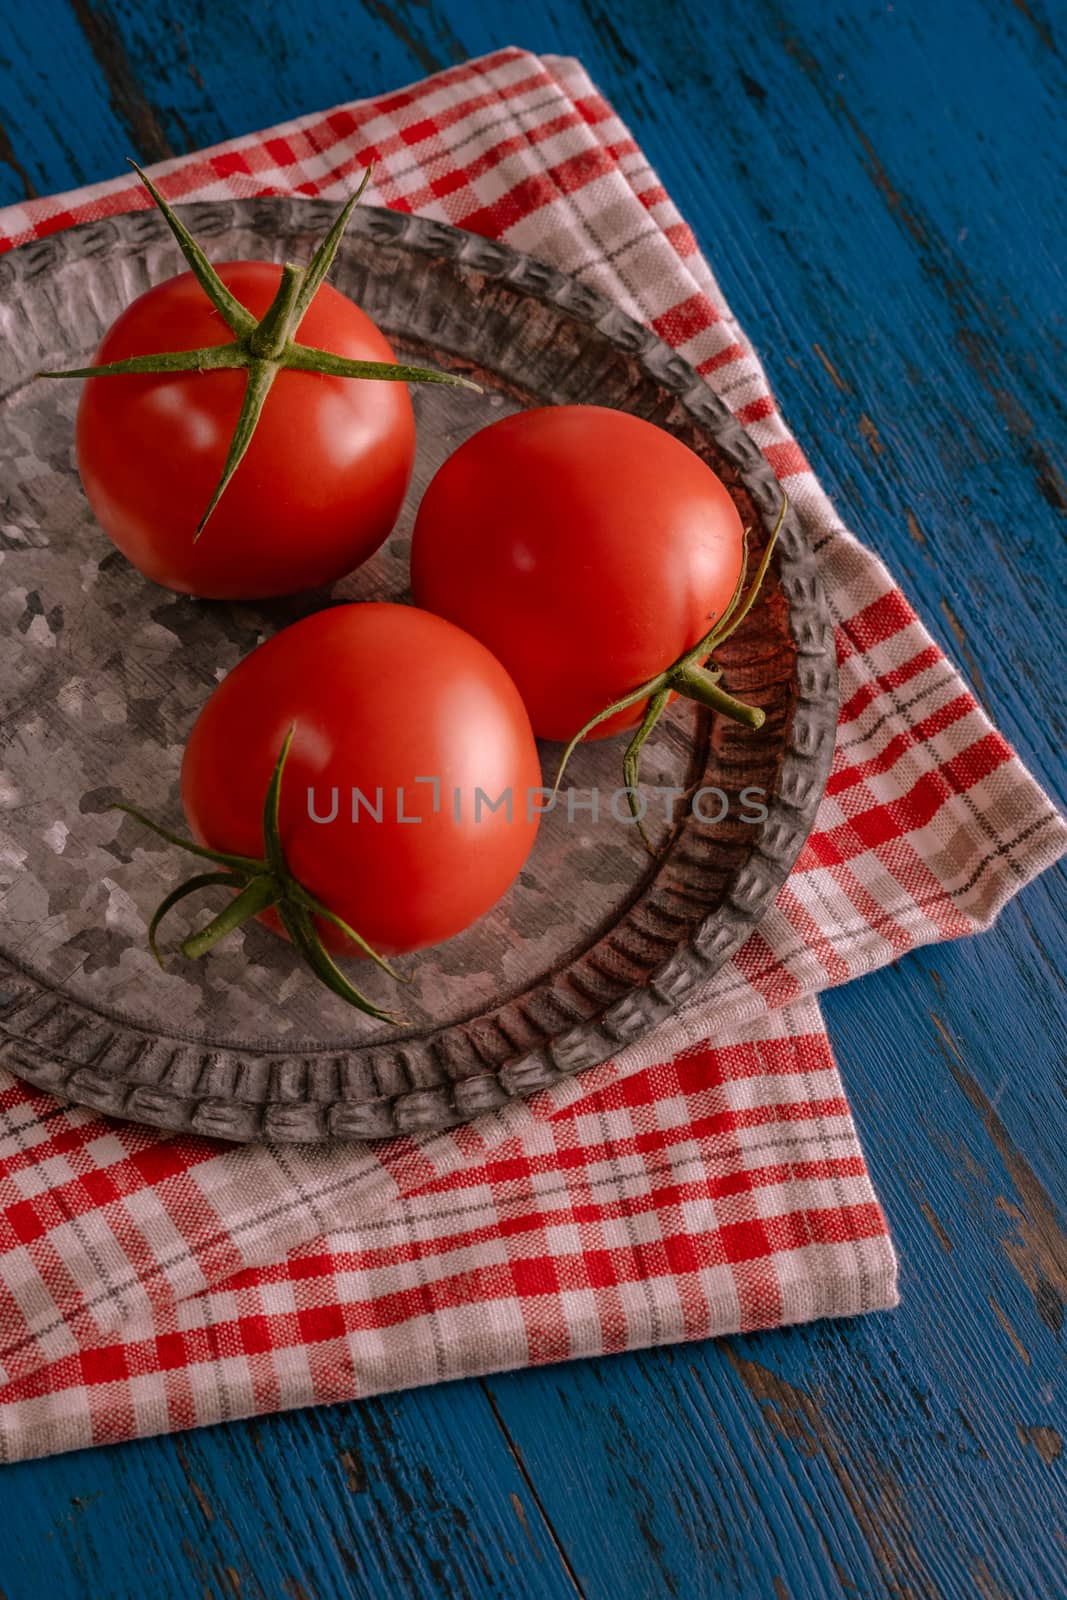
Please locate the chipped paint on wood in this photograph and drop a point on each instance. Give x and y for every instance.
(865, 220)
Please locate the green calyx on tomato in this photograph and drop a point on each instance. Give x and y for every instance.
(689, 676)
(261, 347)
(261, 885)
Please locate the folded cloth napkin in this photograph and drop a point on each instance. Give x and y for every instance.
(708, 1180)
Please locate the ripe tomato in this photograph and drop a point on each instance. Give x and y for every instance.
(382, 698)
(587, 548)
(324, 475)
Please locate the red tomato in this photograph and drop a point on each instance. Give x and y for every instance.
(587, 548)
(381, 697)
(322, 481)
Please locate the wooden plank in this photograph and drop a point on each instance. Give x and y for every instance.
(875, 187)
(63, 123)
(417, 1494)
(914, 1454)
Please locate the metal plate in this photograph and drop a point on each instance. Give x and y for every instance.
(102, 674)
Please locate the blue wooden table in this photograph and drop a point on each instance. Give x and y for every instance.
(880, 188)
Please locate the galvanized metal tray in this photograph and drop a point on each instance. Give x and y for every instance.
(102, 675)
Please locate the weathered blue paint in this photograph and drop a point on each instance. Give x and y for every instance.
(879, 187)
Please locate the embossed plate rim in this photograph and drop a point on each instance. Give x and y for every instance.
(803, 773)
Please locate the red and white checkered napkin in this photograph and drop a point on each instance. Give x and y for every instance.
(707, 1181)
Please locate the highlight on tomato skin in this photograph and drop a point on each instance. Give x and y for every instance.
(379, 696)
(321, 483)
(587, 548)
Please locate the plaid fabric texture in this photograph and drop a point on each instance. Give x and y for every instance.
(706, 1181)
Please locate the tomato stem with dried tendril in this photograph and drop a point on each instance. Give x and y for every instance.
(688, 676)
(259, 885)
(262, 347)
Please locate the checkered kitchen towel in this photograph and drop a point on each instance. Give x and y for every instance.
(697, 1185)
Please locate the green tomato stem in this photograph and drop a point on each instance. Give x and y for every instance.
(260, 884)
(202, 880)
(261, 376)
(210, 359)
(236, 316)
(691, 675)
(257, 894)
(698, 684)
(268, 341)
(264, 347)
(322, 260)
(306, 358)
(631, 766)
